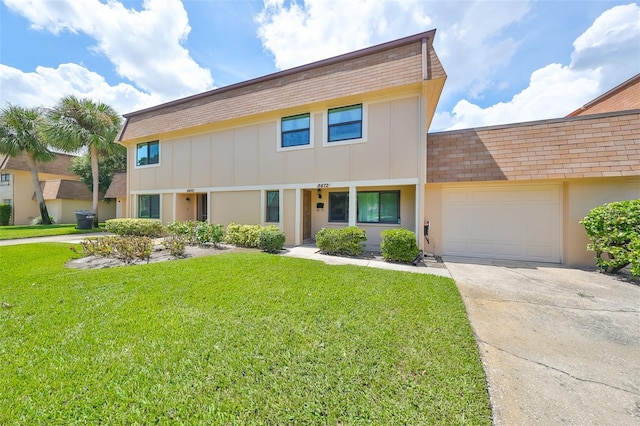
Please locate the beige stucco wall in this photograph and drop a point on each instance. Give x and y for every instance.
(288, 216)
(578, 197)
(242, 207)
(248, 155)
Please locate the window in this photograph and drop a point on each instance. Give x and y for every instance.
(148, 153)
(379, 207)
(345, 123)
(7, 201)
(273, 206)
(5, 177)
(338, 207)
(295, 130)
(149, 206)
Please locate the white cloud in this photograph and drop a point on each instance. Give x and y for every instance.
(47, 85)
(145, 46)
(304, 32)
(605, 55)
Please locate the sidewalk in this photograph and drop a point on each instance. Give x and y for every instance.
(73, 238)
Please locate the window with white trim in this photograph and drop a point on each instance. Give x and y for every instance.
(338, 207)
(273, 206)
(344, 123)
(295, 130)
(148, 153)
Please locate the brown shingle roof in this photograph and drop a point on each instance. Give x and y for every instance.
(395, 64)
(623, 97)
(63, 189)
(118, 187)
(59, 166)
(584, 146)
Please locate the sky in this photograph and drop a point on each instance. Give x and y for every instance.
(506, 61)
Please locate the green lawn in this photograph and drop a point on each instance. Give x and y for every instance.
(30, 231)
(244, 338)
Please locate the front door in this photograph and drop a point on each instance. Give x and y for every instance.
(306, 215)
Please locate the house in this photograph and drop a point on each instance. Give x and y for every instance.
(334, 143)
(63, 192)
(118, 191)
(344, 141)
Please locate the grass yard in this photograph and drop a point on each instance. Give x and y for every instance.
(30, 231)
(241, 338)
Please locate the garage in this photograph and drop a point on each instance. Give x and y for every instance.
(513, 222)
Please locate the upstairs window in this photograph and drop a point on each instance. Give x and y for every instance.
(5, 177)
(149, 206)
(296, 130)
(379, 207)
(148, 153)
(345, 123)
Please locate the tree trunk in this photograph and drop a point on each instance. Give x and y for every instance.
(96, 182)
(44, 214)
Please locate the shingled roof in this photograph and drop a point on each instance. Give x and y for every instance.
(118, 187)
(59, 166)
(63, 189)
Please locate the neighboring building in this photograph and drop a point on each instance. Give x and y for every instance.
(62, 190)
(344, 142)
(118, 191)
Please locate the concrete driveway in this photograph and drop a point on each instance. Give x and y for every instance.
(560, 346)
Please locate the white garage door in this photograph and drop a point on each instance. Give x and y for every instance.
(503, 222)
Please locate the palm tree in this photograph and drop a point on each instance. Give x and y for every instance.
(21, 134)
(82, 123)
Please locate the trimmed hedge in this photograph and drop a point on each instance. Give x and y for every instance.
(136, 227)
(614, 230)
(347, 241)
(399, 245)
(268, 238)
(271, 239)
(5, 214)
(197, 232)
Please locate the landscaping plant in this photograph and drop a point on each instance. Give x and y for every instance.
(271, 239)
(5, 214)
(399, 245)
(342, 241)
(614, 230)
(137, 227)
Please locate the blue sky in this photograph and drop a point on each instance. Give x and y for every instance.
(507, 61)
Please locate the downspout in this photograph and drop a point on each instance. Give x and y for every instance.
(422, 147)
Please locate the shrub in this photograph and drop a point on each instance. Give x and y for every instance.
(341, 241)
(206, 233)
(271, 239)
(175, 244)
(135, 227)
(5, 214)
(126, 248)
(399, 245)
(243, 235)
(38, 220)
(614, 230)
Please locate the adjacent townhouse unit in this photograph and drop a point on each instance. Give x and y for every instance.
(344, 141)
(63, 192)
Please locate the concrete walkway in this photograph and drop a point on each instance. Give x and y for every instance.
(560, 346)
(73, 238)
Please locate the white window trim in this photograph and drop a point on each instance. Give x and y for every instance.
(325, 127)
(280, 148)
(147, 166)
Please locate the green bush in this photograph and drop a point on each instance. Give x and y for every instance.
(175, 244)
(126, 248)
(243, 235)
(399, 245)
(5, 214)
(271, 239)
(614, 230)
(346, 241)
(135, 227)
(198, 232)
